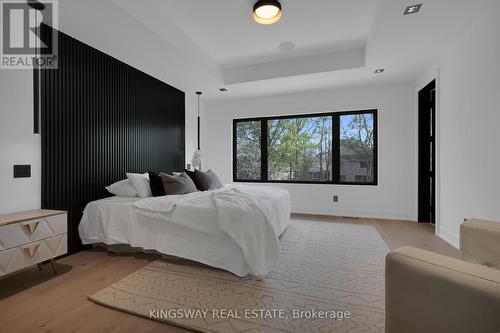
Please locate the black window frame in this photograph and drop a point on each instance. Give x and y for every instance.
(335, 148)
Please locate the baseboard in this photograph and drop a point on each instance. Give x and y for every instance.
(449, 237)
(340, 217)
(378, 215)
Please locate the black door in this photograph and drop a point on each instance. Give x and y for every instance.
(427, 153)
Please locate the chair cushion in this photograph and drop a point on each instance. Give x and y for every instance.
(480, 242)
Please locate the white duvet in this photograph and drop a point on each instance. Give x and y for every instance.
(251, 216)
(235, 228)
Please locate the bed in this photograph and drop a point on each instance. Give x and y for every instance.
(235, 228)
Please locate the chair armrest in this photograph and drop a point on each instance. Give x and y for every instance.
(428, 292)
(480, 242)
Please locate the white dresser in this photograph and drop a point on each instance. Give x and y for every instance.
(29, 238)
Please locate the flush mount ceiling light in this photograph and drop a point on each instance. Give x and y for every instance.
(378, 71)
(267, 11)
(412, 9)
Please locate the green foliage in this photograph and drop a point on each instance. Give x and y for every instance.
(297, 146)
(356, 133)
(356, 146)
(248, 148)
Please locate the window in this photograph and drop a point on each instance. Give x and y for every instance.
(329, 148)
(300, 149)
(248, 156)
(357, 147)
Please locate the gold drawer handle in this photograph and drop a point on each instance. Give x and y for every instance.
(30, 228)
(30, 251)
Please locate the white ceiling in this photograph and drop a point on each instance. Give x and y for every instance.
(220, 38)
(226, 31)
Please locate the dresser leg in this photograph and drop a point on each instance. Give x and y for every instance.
(52, 262)
(39, 266)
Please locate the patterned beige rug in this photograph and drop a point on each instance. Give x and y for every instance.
(330, 279)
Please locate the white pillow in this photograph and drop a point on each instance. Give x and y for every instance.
(141, 184)
(123, 188)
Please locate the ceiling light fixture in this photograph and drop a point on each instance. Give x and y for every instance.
(267, 11)
(412, 9)
(378, 71)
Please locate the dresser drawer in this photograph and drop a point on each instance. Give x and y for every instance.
(25, 232)
(31, 254)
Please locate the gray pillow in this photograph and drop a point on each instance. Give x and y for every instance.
(207, 180)
(177, 184)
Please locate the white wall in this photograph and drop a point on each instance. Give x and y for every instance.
(469, 116)
(18, 144)
(393, 198)
(117, 33)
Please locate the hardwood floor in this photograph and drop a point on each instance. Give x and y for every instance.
(34, 301)
(397, 233)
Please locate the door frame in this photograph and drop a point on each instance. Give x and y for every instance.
(429, 130)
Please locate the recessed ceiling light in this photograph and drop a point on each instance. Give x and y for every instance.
(267, 11)
(223, 89)
(412, 9)
(286, 46)
(379, 70)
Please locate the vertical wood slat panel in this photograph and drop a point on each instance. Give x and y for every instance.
(101, 118)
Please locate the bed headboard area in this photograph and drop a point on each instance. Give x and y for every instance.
(101, 118)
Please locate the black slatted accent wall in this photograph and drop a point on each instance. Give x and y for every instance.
(100, 119)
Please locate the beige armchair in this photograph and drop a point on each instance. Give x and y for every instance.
(428, 292)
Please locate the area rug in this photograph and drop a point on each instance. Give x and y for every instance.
(330, 279)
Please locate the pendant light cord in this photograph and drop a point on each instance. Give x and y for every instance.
(198, 93)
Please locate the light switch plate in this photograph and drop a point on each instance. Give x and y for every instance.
(22, 171)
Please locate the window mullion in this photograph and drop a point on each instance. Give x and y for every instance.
(263, 150)
(235, 151)
(336, 148)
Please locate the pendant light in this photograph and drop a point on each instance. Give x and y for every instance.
(38, 6)
(196, 161)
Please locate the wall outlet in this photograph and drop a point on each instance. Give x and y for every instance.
(335, 198)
